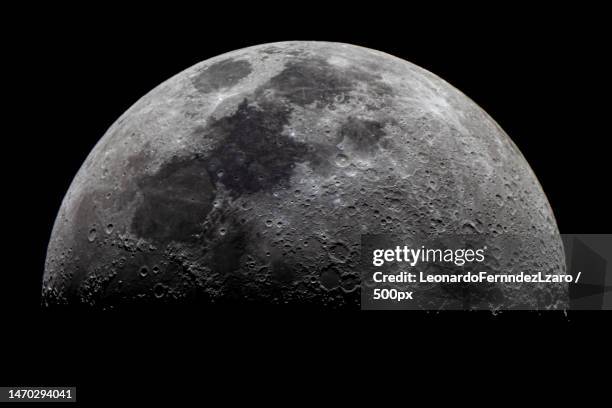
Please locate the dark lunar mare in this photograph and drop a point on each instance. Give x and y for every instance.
(175, 200)
(253, 154)
(223, 74)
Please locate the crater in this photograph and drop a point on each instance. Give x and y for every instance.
(330, 279)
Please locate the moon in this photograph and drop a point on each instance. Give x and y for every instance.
(249, 178)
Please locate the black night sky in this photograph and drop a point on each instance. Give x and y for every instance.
(540, 74)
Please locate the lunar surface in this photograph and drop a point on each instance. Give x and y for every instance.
(249, 178)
